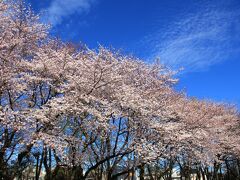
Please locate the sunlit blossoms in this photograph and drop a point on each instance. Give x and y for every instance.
(72, 112)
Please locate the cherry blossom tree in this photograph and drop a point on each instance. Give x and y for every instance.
(76, 112)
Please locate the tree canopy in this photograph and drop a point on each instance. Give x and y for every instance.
(79, 112)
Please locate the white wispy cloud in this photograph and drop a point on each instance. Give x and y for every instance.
(60, 9)
(198, 41)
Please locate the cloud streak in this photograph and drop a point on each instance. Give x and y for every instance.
(198, 41)
(61, 9)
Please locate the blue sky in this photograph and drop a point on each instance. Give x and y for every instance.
(201, 36)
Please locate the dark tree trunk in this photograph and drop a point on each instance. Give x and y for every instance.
(141, 174)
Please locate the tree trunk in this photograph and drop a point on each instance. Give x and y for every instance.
(141, 174)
